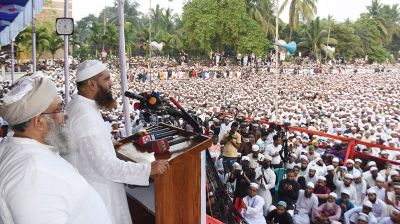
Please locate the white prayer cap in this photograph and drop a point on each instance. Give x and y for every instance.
(268, 157)
(236, 166)
(310, 185)
(371, 163)
(356, 174)
(358, 160)
(293, 155)
(322, 178)
(367, 203)
(245, 158)
(31, 96)
(363, 217)
(303, 157)
(254, 185)
(373, 168)
(350, 161)
(394, 173)
(384, 152)
(88, 69)
(348, 176)
(318, 159)
(313, 168)
(345, 191)
(371, 191)
(330, 167)
(255, 148)
(380, 178)
(333, 194)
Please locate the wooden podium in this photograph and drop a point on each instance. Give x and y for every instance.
(175, 196)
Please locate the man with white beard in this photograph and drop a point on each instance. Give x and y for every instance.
(38, 186)
(327, 212)
(95, 157)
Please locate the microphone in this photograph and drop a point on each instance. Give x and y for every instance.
(134, 96)
(187, 116)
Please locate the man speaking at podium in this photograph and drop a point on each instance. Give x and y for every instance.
(95, 156)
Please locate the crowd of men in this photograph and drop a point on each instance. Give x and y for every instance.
(299, 178)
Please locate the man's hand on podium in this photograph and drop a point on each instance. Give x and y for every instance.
(159, 167)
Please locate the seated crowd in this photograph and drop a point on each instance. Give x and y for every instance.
(302, 178)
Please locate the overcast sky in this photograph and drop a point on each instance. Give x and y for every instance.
(340, 9)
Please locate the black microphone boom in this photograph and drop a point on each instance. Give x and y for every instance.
(134, 96)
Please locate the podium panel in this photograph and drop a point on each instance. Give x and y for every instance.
(175, 196)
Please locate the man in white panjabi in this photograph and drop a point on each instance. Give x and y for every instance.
(306, 203)
(95, 157)
(266, 178)
(37, 184)
(253, 205)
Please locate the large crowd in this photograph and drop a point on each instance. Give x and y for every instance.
(311, 182)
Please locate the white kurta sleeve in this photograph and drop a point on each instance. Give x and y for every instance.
(96, 147)
(348, 214)
(256, 209)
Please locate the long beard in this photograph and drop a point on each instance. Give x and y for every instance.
(104, 97)
(59, 138)
(330, 205)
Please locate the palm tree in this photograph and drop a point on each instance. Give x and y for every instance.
(96, 36)
(314, 37)
(304, 8)
(42, 40)
(55, 43)
(111, 37)
(261, 11)
(374, 12)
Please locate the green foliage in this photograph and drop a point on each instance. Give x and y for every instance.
(213, 25)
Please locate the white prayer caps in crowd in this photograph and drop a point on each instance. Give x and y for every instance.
(356, 174)
(358, 160)
(30, 97)
(245, 158)
(371, 163)
(88, 69)
(371, 191)
(350, 161)
(373, 169)
(333, 194)
(335, 160)
(330, 167)
(236, 166)
(318, 159)
(349, 176)
(303, 157)
(268, 157)
(313, 168)
(394, 173)
(345, 191)
(293, 156)
(321, 178)
(254, 185)
(255, 148)
(363, 217)
(380, 178)
(384, 152)
(310, 185)
(367, 203)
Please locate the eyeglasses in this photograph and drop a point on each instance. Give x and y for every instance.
(61, 110)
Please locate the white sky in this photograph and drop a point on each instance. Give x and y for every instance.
(340, 9)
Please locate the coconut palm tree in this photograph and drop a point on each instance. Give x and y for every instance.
(96, 36)
(315, 38)
(305, 9)
(262, 12)
(55, 43)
